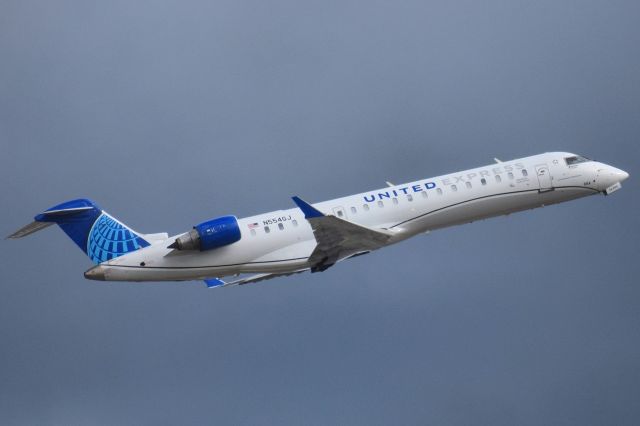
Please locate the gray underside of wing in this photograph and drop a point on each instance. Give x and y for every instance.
(339, 239)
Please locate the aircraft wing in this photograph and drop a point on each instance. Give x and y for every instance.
(338, 239)
(218, 283)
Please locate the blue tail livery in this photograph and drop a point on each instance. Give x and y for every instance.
(101, 236)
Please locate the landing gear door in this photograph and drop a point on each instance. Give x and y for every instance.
(544, 177)
(339, 212)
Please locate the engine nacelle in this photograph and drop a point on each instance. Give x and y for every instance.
(209, 235)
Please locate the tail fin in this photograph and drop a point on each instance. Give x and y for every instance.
(99, 235)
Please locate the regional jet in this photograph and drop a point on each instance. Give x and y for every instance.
(314, 237)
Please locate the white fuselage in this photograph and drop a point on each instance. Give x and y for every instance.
(282, 241)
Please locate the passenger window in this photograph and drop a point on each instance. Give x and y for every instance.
(253, 232)
(380, 203)
(395, 201)
(280, 226)
(468, 184)
(294, 222)
(498, 178)
(365, 207)
(510, 175)
(267, 230)
(424, 194)
(340, 214)
(439, 191)
(454, 188)
(409, 197)
(353, 210)
(483, 181)
(524, 172)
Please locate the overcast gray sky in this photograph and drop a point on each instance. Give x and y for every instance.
(168, 113)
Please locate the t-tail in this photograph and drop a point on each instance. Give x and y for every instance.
(101, 236)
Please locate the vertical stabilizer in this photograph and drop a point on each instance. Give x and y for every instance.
(101, 236)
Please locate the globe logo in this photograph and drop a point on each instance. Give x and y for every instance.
(109, 239)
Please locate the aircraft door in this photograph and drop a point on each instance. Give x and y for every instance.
(544, 177)
(340, 212)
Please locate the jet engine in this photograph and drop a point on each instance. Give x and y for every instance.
(209, 235)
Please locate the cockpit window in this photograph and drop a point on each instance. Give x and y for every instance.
(575, 159)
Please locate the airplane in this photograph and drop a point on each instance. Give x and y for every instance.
(314, 237)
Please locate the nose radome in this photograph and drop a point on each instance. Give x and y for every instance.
(622, 174)
(613, 174)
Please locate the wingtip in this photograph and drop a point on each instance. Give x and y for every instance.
(214, 283)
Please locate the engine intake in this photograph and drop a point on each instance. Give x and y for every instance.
(209, 235)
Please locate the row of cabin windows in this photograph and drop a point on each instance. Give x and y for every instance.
(380, 203)
(454, 188)
(267, 229)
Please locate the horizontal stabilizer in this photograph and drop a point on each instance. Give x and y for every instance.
(30, 229)
(64, 212)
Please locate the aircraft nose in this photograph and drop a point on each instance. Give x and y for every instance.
(613, 174)
(622, 175)
(96, 273)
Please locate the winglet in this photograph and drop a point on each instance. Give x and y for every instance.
(214, 282)
(308, 210)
